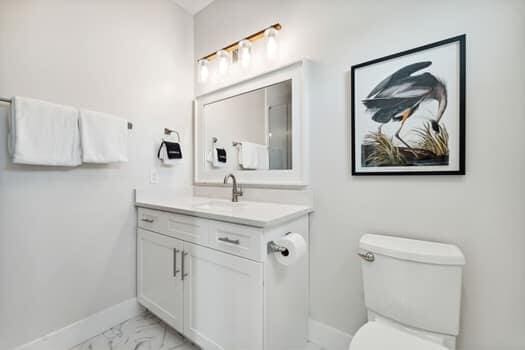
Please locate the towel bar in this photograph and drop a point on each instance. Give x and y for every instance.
(8, 100)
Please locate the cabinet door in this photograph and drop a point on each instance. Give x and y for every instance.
(223, 300)
(160, 288)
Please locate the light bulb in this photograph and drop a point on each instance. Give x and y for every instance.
(272, 46)
(245, 52)
(203, 70)
(224, 61)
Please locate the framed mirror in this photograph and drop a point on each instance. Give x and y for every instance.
(255, 129)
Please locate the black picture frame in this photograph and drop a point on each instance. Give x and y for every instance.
(461, 40)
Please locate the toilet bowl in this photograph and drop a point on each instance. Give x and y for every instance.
(376, 335)
(412, 293)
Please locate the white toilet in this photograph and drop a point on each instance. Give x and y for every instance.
(412, 294)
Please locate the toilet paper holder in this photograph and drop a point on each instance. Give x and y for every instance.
(276, 248)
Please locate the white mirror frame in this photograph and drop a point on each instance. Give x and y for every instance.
(298, 73)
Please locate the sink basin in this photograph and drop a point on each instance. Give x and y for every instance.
(220, 205)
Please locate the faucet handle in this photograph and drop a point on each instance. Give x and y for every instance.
(239, 190)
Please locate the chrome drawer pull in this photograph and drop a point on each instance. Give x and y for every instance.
(184, 274)
(175, 271)
(368, 256)
(228, 240)
(148, 220)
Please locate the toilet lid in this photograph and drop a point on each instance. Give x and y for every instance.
(379, 336)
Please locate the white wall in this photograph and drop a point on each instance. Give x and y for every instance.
(67, 238)
(482, 212)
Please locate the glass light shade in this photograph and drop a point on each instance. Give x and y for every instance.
(245, 52)
(272, 45)
(203, 70)
(224, 59)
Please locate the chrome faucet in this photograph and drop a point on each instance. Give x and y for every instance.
(236, 189)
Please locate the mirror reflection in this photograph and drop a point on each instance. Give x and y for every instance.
(251, 131)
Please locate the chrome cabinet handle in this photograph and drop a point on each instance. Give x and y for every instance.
(368, 256)
(175, 271)
(184, 274)
(228, 240)
(148, 220)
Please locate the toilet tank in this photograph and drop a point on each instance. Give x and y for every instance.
(416, 283)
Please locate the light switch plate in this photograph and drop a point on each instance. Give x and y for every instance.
(154, 176)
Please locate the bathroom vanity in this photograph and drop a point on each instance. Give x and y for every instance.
(205, 267)
(211, 268)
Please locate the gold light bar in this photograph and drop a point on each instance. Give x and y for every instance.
(232, 47)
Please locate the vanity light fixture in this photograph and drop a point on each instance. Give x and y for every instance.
(245, 52)
(240, 51)
(272, 46)
(203, 70)
(224, 61)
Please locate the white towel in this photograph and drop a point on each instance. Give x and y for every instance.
(103, 137)
(43, 133)
(263, 158)
(253, 156)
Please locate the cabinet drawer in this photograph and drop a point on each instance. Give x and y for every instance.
(152, 220)
(235, 239)
(187, 228)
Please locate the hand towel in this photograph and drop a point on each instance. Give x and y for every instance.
(219, 157)
(169, 153)
(103, 137)
(253, 156)
(263, 158)
(43, 133)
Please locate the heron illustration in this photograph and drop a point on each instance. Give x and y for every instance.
(399, 95)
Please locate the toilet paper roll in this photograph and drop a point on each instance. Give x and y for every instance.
(295, 248)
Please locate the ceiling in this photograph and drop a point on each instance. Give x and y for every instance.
(193, 6)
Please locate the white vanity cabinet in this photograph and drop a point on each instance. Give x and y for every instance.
(217, 283)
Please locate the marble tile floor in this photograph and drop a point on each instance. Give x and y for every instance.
(144, 332)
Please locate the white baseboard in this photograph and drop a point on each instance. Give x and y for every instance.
(328, 337)
(80, 331)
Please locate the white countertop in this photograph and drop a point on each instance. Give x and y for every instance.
(259, 214)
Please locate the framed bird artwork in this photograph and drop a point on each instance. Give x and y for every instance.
(408, 112)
